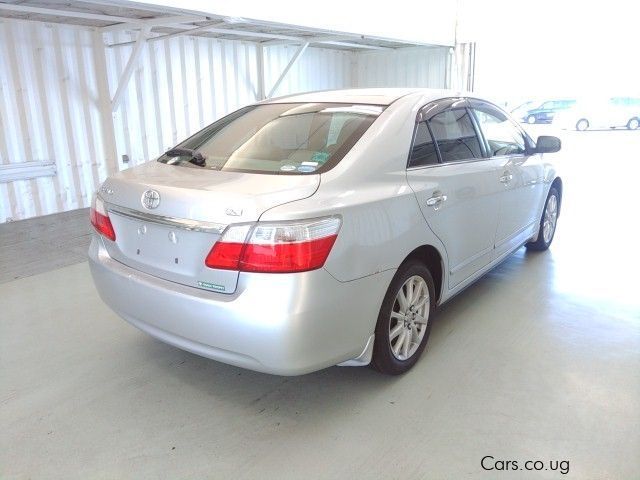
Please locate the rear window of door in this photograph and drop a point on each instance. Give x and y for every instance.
(455, 135)
(503, 137)
(424, 150)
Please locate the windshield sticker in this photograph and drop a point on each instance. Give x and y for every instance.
(309, 164)
(320, 157)
(288, 168)
(306, 169)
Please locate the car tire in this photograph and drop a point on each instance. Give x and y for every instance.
(633, 124)
(582, 124)
(550, 213)
(389, 356)
(531, 119)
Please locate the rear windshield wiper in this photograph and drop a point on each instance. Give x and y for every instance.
(195, 156)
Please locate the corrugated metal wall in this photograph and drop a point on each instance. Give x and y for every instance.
(50, 99)
(409, 67)
(47, 113)
(317, 69)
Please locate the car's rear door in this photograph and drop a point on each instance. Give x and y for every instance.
(457, 187)
(521, 175)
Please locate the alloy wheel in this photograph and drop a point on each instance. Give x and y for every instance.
(550, 218)
(409, 317)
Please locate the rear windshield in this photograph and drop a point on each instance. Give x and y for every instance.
(279, 138)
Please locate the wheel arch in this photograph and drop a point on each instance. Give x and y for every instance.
(582, 119)
(431, 257)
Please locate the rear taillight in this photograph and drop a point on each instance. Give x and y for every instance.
(275, 247)
(100, 219)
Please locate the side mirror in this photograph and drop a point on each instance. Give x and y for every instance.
(548, 144)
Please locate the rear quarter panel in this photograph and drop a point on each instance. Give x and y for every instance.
(381, 219)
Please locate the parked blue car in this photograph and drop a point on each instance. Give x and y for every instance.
(545, 112)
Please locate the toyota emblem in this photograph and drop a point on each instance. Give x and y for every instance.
(150, 199)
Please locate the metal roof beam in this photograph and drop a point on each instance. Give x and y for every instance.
(327, 33)
(278, 39)
(213, 29)
(329, 40)
(247, 33)
(61, 13)
(324, 32)
(190, 31)
(177, 16)
(354, 45)
(119, 23)
(154, 22)
(317, 39)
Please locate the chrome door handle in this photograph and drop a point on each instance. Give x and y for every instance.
(436, 200)
(506, 178)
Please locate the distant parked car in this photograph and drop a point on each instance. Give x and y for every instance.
(522, 109)
(610, 113)
(546, 111)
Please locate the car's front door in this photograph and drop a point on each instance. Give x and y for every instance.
(457, 187)
(521, 176)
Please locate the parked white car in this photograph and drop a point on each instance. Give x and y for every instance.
(616, 112)
(322, 228)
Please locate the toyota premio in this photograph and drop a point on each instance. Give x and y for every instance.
(321, 229)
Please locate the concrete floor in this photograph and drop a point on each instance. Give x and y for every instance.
(540, 360)
(42, 244)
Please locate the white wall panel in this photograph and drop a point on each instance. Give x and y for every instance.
(317, 69)
(47, 113)
(50, 103)
(410, 67)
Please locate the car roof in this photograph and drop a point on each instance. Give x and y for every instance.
(372, 96)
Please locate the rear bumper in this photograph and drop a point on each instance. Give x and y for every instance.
(285, 324)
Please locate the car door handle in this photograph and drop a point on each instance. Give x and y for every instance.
(436, 200)
(506, 178)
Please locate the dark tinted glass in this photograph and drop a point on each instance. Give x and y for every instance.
(503, 137)
(292, 138)
(455, 135)
(423, 151)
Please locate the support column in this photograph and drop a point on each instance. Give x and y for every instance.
(261, 79)
(104, 104)
(462, 70)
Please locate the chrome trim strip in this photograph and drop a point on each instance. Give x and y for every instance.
(184, 224)
(457, 162)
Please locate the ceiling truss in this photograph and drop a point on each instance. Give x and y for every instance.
(155, 23)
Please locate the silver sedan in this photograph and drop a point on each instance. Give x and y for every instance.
(323, 228)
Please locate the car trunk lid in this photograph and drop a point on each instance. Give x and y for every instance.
(167, 218)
